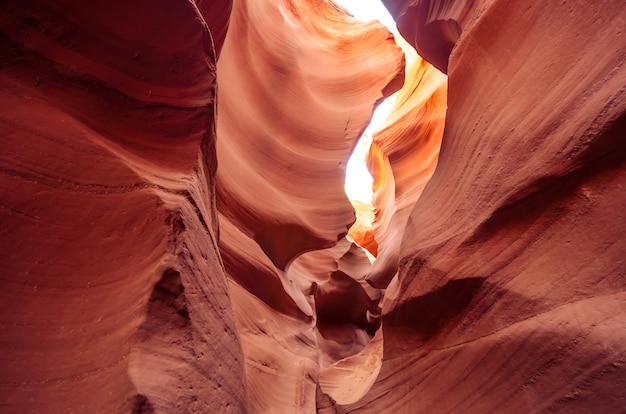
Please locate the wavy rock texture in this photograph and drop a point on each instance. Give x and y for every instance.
(113, 295)
(295, 95)
(294, 98)
(403, 157)
(362, 231)
(140, 277)
(434, 27)
(511, 290)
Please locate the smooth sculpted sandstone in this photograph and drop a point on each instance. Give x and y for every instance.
(296, 91)
(402, 159)
(434, 27)
(113, 297)
(172, 213)
(511, 289)
(298, 83)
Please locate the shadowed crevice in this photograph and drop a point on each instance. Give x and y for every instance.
(424, 317)
(284, 242)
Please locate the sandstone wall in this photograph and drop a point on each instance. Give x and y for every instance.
(172, 223)
(114, 297)
(510, 295)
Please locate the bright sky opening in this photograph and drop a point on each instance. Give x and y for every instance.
(358, 179)
(367, 10)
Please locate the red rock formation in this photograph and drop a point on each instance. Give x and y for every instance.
(113, 295)
(433, 27)
(117, 295)
(362, 231)
(294, 97)
(293, 102)
(216, 14)
(402, 159)
(510, 295)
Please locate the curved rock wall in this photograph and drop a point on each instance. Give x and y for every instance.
(294, 96)
(403, 157)
(434, 27)
(511, 289)
(113, 295)
(138, 276)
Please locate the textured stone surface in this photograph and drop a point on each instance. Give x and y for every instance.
(172, 223)
(113, 295)
(294, 97)
(510, 295)
(403, 158)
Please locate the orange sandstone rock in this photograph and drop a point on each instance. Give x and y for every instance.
(113, 294)
(172, 224)
(511, 290)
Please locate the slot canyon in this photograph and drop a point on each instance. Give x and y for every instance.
(176, 237)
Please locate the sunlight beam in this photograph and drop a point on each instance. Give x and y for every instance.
(359, 181)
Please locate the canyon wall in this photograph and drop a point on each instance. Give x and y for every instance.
(113, 298)
(294, 97)
(173, 216)
(403, 157)
(510, 294)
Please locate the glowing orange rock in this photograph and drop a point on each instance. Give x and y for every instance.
(511, 292)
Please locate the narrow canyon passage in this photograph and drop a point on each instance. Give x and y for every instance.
(305, 312)
(176, 238)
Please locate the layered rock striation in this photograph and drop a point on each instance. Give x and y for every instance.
(113, 298)
(173, 216)
(510, 293)
(294, 97)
